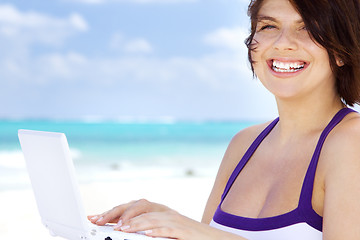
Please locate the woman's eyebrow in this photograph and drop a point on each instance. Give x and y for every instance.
(268, 18)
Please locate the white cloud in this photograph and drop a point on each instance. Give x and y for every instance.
(89, 1)
(155, 1)
(61, 66)
(230, 38)
(34, 27)
(209, 71)
(116, 41)
(212, 79)
(79, 22)
(218, 81)
(216, 71)
(130, 45)
(133, 1)
(138, 45)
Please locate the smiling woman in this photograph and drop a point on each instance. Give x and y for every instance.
(335, 29)
(281, 40)
(295, 177)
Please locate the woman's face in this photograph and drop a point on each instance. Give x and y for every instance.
(286, 60)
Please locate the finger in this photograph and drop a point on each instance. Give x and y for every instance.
(111, 216)
(144, 222)
(151, 225)
(93, 218)
(136, 209)
(96, 219)
(163, 232)
(169, 224)
(137, 224)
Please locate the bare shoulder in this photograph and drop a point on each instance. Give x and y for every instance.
(239, 145)
(349, 125)
(243, 139)
(236, 149)
(341, 150)
(345, 136)
(341, 155)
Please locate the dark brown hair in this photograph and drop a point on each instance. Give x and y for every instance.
(335, 25)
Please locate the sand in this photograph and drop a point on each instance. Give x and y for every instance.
(187, 195)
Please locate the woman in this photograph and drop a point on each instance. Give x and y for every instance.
(298, 176)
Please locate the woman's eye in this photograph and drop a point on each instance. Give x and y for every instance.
(304, 28)
(267, 27)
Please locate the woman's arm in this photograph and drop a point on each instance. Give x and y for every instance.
(235, 151)
(157, 220)
(342, 183)
(171, 224)
(231, 158)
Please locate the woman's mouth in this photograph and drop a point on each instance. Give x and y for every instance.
(287, 67)
(279, 66)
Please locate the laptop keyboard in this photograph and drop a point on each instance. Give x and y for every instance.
(116, 235)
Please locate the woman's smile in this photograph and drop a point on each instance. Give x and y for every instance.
(284, 50)
(284, 68)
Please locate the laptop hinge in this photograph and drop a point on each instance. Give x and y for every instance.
(68, 232)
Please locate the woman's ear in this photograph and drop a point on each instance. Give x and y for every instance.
(339, 62)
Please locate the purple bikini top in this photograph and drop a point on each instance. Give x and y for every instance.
(304, 211)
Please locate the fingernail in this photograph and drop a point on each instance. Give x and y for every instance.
(93, 218)
(125, 228)
(148, 232)
(118, 225)
(99, 219)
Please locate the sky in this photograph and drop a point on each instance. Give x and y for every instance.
(128, 59)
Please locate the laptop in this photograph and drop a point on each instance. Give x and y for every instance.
(52, 176)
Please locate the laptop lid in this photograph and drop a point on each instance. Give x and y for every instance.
(52, 177)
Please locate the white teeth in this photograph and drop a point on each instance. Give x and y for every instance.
(278, 66)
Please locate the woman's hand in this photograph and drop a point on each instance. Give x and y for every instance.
(157, 220)
(124, 212)
(170, 224)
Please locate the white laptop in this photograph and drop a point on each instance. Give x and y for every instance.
(57, 195)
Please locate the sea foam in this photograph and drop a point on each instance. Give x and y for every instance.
(12, 159)
(15, 159)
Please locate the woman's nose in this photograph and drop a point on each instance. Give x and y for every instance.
(286, 40)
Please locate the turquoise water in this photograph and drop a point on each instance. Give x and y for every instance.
(112, 150)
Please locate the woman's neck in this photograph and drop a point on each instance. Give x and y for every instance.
(305, 117)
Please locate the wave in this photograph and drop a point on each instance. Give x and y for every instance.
(12, 159)
(99, 119)
(129, 119)
(15, 159)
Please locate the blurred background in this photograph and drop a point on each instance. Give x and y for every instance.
(134, 84)
(148, 92)
(127, 60)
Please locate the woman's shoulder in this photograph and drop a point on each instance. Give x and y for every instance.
(246, 136)
(342, 146)
(235, 151)
(341, 162)
(240, 143)
(346, 134)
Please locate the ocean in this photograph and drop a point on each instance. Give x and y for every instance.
(110, 150)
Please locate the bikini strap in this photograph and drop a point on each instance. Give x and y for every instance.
(308, 184)
(250, 151)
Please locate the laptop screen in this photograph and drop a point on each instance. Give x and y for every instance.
(52, 176)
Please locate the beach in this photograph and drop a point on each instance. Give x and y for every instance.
(187, 195)
(172, 163)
